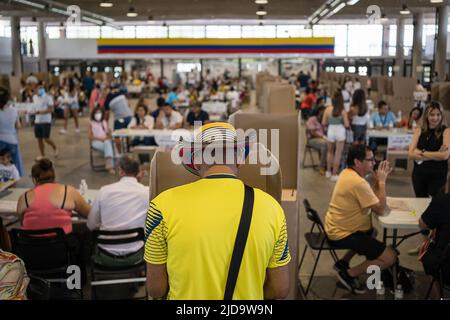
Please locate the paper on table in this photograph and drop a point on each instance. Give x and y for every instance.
(398, 205)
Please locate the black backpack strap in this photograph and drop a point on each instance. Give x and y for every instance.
(239, 244)
(65, 195)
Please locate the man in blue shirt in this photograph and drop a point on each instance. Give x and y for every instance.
(383, 118)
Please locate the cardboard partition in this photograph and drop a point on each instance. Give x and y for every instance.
(444, 95)
(278, 98)
(164, 174)
(15, 86)
(287, 128)
(435, 91)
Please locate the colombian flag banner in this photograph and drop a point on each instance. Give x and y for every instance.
(217, 46)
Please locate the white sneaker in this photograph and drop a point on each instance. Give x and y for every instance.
(62, 131)
(77, 131)
(39, 158)
(334, 178)
(328, 174)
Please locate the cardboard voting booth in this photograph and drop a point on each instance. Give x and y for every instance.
(286, 126)
(164, 174)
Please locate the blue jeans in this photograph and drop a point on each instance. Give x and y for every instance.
(105, 147)
(15, 155)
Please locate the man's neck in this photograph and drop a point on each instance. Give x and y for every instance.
(219, 169)
(358, 171)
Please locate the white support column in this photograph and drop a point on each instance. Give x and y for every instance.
(399, 54)
(15, 46)
(441, 47)
(42, 47)
(417, 68)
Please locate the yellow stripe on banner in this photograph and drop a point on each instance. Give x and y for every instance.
(246, 41)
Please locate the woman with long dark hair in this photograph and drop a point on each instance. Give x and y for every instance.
(336, 119)
(359, 116)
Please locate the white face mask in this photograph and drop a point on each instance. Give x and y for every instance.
(98, 116)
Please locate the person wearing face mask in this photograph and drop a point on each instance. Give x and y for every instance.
(100, 137)
(43, 121)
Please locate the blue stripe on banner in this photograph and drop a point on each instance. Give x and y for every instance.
(262, 46)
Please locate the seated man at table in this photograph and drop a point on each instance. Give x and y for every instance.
(348, 220)
(436, 217)
(120, 206)
(169, 118)
(383, 118)
(196, 114)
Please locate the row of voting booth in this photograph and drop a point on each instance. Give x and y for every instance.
(274, 95)
(398, 92)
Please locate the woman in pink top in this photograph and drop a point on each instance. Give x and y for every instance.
(49, 204)
(100, 137)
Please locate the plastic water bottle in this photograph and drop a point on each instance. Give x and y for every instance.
(381, 291)
(398, 292)
(83, 187)
(414, 125)
(399, 116)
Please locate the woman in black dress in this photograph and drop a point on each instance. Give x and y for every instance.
(430, 150)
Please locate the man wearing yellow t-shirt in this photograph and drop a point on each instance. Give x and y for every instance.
(348, 220)
(191, 230)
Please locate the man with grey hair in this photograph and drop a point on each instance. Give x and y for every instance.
(120, 206)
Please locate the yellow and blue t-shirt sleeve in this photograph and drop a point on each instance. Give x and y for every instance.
(155, 236)
(281, 255)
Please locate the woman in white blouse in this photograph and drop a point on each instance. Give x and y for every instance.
(143, 121)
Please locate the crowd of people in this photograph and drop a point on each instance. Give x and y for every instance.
(337, 126)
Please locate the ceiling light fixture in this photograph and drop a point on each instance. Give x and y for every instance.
(261, 11)
(106, 4)
(132, 13)
(436, 1)
(405, 10)
(261, 1)
(352, 2)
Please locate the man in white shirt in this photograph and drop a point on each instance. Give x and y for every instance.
(43, 120)
(169, 118)
(120, 206)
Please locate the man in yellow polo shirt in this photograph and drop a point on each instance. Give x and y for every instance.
(191, 230)
(348, 220)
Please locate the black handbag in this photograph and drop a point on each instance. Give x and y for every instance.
(240, 242)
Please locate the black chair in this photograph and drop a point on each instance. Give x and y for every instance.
(38, 289)
(317, 241)
(102, 275)
(444, 284)
(95, 166)
(46, 254)
(309, 150)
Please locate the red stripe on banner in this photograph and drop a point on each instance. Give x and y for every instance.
(221, 50)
